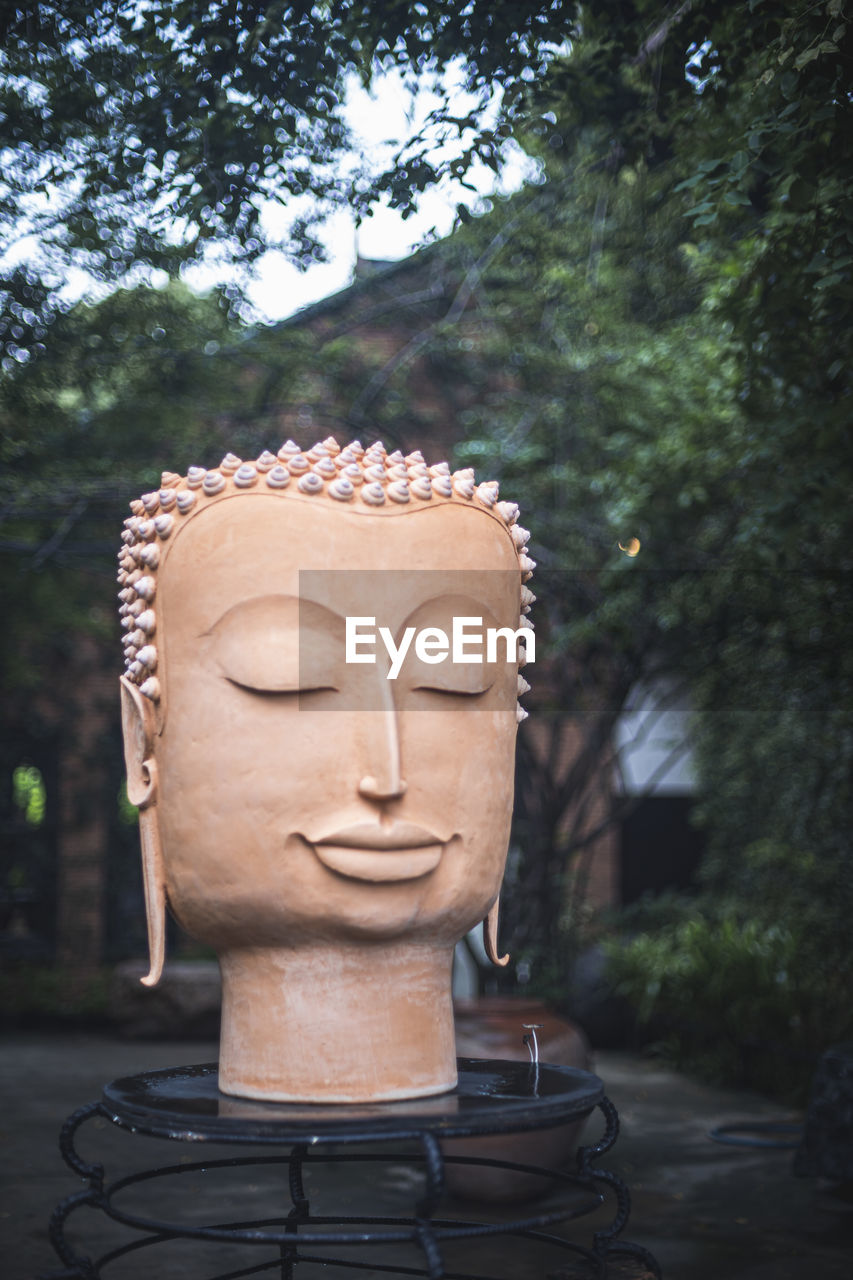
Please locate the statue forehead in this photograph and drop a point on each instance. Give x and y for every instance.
(258, 527)
(238, 551)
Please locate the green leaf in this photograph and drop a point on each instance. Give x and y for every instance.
(803, 59)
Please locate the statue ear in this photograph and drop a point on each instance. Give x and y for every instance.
(138, 724)
(138, 727)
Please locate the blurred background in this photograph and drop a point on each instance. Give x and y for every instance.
(633, 310)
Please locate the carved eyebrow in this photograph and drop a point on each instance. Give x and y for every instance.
(280, 602)
(274, 643)
(454, 598)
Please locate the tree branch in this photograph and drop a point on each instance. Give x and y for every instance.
(660, 33)
(56, 540)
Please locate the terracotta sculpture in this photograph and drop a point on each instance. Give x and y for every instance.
(331, 832)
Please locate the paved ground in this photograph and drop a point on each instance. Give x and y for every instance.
(709, 1212)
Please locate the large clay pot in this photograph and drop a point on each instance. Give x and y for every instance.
(494, 1027)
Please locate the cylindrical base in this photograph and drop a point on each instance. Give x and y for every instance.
(357, 1023)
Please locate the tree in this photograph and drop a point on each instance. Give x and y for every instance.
(737, 490)
(137, 135)
(125, 388)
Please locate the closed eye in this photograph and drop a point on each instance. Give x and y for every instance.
(265, 690)
(272, 645)
(452, 692)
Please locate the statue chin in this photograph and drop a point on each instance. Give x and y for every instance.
(330, 828)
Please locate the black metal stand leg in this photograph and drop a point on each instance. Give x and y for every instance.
(76, 1265)
(605, 1241)
(298, 1213)
(434, 1167)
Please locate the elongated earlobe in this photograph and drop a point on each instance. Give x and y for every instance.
(490, 935)
(155, 894)
(138, 726)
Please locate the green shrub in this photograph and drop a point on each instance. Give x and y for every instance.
(735, 994)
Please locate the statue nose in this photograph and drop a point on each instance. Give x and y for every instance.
(391, 788)
(384, 781)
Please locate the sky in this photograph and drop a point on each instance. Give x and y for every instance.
(380, 119)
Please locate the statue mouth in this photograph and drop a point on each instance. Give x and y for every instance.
(367, 851)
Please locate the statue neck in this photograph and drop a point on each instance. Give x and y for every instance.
(334, 1022)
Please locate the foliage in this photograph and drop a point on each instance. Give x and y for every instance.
(757, 624)
(28, 793)
(126, 385)
(137, 135)
(737, 992)
(128, 814)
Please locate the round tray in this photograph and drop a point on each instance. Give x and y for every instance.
(184, 1103)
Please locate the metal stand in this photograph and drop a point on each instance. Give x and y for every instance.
(492, 1097)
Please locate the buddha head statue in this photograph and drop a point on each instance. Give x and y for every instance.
(322, 654)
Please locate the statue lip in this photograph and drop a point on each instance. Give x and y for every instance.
(367, 851)
(370, 835)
